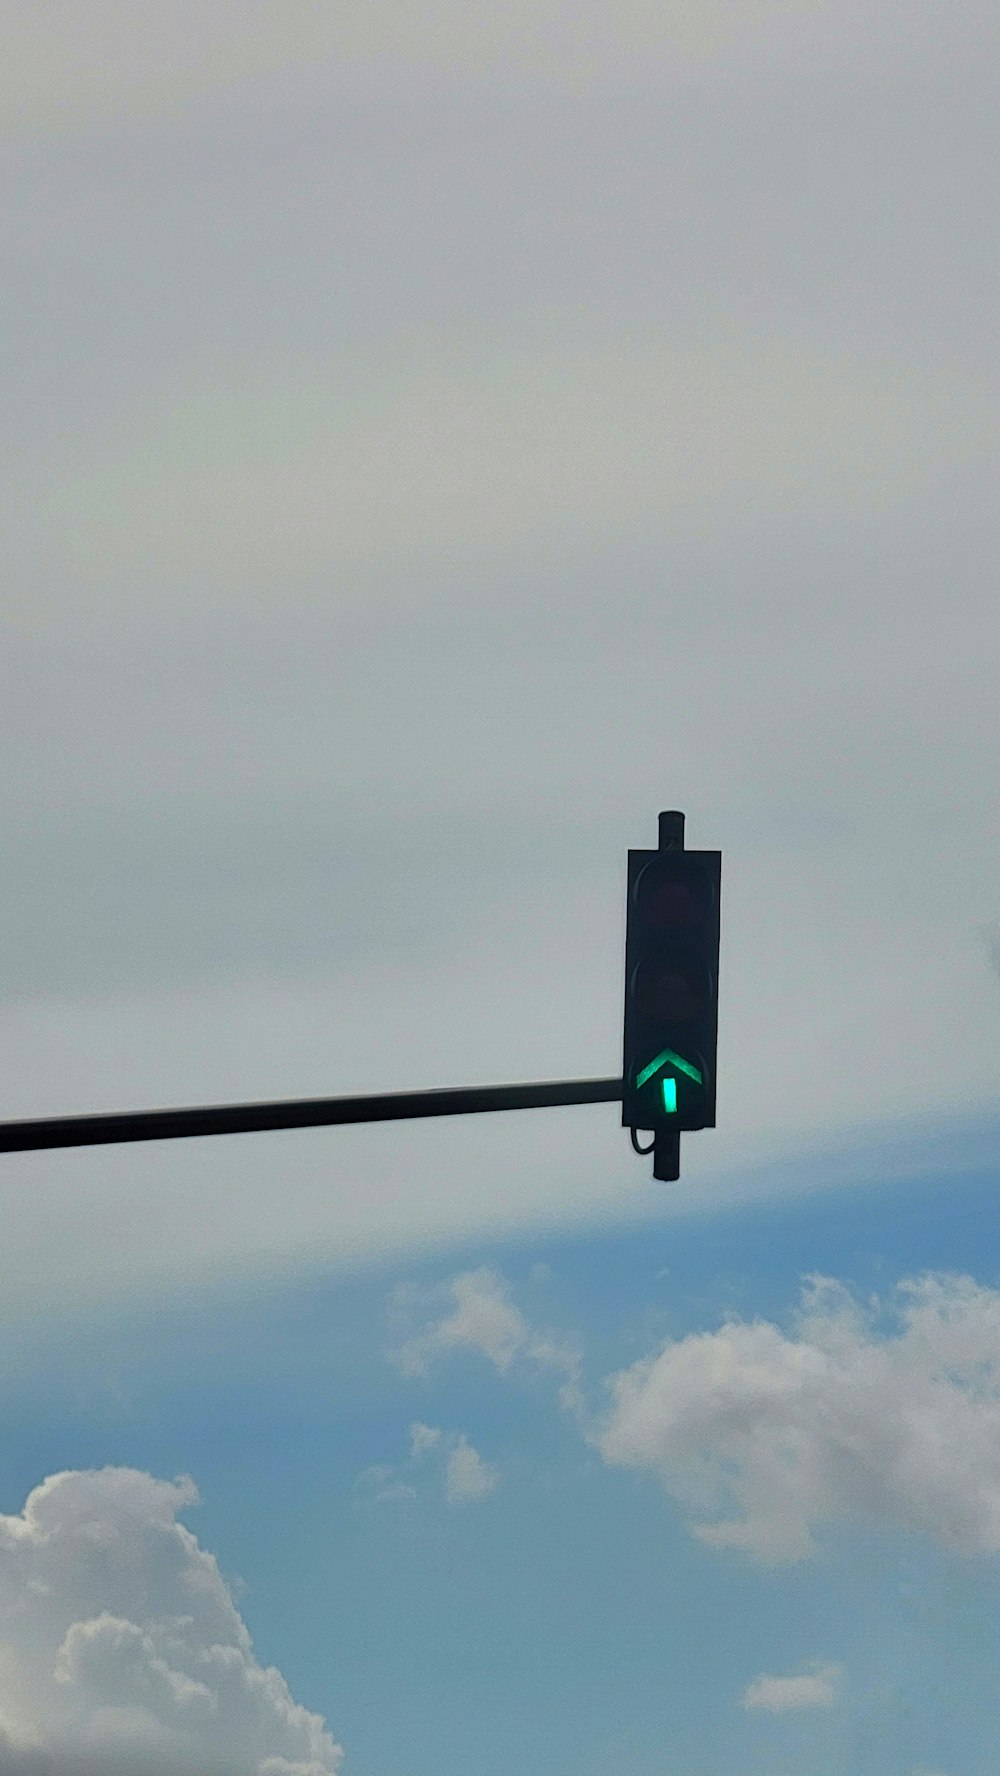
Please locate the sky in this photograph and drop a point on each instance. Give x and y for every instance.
(436, 440)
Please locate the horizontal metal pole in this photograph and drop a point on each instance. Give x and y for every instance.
(241, 1119)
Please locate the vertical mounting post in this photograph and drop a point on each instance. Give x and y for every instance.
(667, 1142)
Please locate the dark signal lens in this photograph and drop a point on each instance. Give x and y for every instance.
(670, 899)
(668, 994)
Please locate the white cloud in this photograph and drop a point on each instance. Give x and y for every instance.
(380, 1480)
(492, 447)
(467, 1476)
(764, 1437)
(422, 1438)
(124, 1642)
(777, 1695)
(106, 59)
(484, 1319)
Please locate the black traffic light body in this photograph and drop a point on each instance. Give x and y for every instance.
(671, 989)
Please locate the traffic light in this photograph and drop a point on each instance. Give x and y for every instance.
(671, 986)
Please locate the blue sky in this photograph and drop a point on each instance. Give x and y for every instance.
(567, 1620)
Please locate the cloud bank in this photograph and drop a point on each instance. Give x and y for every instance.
(122, 1649)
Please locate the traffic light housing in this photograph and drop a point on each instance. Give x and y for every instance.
(671, 988)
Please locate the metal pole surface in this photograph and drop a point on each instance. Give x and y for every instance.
(239, 1119)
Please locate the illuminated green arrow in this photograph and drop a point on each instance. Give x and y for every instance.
(666, 1056)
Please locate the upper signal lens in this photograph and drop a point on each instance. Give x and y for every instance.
(671, 897)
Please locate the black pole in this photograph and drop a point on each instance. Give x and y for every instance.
(239, 1119)
(671, 831)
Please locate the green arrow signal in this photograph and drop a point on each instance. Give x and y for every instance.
(666, 1056)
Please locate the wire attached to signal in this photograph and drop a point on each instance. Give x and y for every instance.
(635, 1145)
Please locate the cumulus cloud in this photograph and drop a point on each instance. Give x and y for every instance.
(483, 1318)
(466, 1476)
(777, 1695)
(123, 1648)
(887, 1415)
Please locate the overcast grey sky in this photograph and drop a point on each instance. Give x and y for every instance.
(436, 442)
